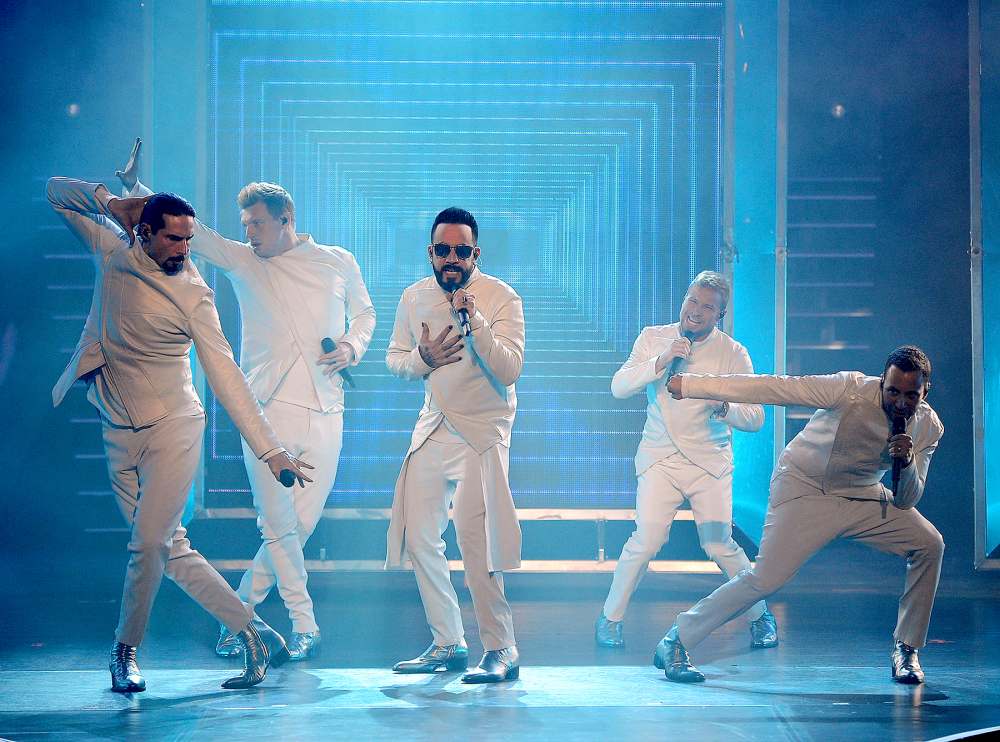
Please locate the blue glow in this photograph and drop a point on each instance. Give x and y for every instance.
(591, 161)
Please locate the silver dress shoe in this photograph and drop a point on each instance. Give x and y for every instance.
(451, 658)
(764, 631)
(496, 666)
(263, 647)
(304, 646)
(608, 633)
(671, 657)
(125, 674)
(905, 665)
(227, 646)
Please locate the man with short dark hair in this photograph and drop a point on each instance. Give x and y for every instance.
(458, 453)
(150, 304)
(295, 295)
(827, 485)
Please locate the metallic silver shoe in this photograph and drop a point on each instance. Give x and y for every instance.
(304, 646)
(608, 633)
(905, 665)
(451, 658)
(671, 657)
(496, 666)
(263, 647)
(764, 631)
(125, 674)
(227, 646)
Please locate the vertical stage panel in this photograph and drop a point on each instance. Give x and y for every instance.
(757, 40)
(984, 63)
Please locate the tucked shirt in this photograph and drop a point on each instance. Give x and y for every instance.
(289, 303)
(843, 449)
(685, 426)
(135, 347)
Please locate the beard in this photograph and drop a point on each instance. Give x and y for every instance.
(173, 266)
(452, 285)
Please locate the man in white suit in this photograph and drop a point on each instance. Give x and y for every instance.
(685, 452)
(293, 294)
(149, 305)
(827, 485)
(462, 332)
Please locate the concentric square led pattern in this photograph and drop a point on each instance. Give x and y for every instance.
(584, 136)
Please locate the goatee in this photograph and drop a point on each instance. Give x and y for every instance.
(450, 285)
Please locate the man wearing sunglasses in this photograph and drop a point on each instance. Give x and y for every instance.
(458, 453)
(293, 294)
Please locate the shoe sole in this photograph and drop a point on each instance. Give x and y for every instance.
(905, 679)
(764, 645)
(609, 644)
(458, 665)
(512, 674)
(130, 688)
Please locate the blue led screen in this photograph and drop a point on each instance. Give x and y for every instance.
(584, 136)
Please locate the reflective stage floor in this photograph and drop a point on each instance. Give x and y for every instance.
(829, 679)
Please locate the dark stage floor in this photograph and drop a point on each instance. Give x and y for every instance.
(829, 679)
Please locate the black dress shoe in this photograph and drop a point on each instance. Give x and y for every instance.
(450, 657)
(905, 665)
(496, 666)
(263, 647)
(125, 674)
(671, 657)
(764, 632)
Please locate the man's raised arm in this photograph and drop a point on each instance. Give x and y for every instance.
(807, 391)
(83, 207)
(207, 243)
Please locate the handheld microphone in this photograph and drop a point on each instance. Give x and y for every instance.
(287, 477)
(463, 318)
(328, 347)
(676, 363)
(898, 426)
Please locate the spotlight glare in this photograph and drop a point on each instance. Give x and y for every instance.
(838, 110)
(73, 110)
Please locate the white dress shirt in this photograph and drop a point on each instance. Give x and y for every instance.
(476, 395)
(688, 426)
(289, 303)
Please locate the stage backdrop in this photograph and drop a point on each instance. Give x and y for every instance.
(584, 136)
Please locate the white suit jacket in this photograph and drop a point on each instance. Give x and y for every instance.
(477, 394)
(843, 449)
(140, 329)
(686, 425)
(288, 304)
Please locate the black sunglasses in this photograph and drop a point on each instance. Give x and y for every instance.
(464, 252)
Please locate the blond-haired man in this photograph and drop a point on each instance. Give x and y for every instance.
(685, 453)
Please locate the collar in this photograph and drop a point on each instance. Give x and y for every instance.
(145, 263)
